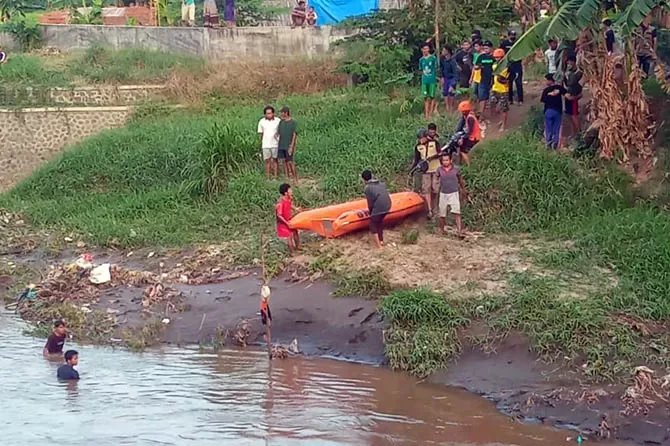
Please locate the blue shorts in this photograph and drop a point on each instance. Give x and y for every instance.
(483, 92)
(449, 88)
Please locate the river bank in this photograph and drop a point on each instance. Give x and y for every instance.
(200, 303)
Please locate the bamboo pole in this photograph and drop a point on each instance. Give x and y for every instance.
(268, 331)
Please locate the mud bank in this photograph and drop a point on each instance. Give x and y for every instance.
(349, 328)
(211, 303)
(533, 391)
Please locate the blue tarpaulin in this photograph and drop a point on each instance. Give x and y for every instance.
(333, 11)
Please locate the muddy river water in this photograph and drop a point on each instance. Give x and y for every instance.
(236, 397)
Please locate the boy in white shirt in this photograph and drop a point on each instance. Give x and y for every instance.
(550, 56)
(268, 129)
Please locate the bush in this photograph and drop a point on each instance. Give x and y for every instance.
(517, 185)
(226, 151)
(134, 177)
(102, 65)
(25, 32)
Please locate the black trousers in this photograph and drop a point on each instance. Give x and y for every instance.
(516, 79)
(377, 225)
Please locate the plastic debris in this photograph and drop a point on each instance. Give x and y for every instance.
(100, 274)
(85, 261)
(166, 321)
(265, 291)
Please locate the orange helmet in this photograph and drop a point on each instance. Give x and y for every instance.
(499, 52)
(465, 106)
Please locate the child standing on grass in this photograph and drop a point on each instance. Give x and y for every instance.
(448, 77)
(284, 211)
(428, 66)
(268, 128)
(288, 136)
(451, 182)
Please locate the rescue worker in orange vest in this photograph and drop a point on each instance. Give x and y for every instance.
(469, 125)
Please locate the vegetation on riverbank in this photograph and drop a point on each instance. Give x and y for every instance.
(150, 184)
(95, 65)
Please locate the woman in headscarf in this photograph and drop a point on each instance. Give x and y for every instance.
(210, 14)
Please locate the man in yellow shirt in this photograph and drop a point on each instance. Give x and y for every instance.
(427, 150)
(499, 102)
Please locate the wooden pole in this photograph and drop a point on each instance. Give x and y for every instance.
(268, 332)
(437, 26)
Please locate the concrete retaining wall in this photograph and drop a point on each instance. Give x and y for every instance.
(93, 96)
(31, 136)
(214, 44)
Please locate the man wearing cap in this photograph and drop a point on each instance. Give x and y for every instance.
(288, 136)
(426, 150)
(469, 125)
(515, 69)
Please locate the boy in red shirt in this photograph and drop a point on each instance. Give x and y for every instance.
(284, 209)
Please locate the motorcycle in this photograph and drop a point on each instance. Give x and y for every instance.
(450, 148)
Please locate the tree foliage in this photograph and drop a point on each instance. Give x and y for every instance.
(387, 46)
(573, 17)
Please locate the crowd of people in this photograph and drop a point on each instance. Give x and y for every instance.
(472, 69)
(301, 15)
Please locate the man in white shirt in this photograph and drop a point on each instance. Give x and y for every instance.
(550, 56)
(268, 129)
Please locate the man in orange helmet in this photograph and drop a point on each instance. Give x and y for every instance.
(472, 133)
(499, 102)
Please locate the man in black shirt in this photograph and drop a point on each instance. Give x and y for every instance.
(515, 69)
(609, 36)
(463, 58)
(485, 61)
(552, 98)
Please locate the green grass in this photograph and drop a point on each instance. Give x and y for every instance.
(96, 65)
(28, 70)
(127, 186)
(192, 177)
(601, 300)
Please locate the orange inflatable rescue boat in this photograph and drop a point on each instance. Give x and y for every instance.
(339, 219)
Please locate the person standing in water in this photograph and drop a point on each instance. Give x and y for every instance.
(379, 204)
(56, 341)
(67, 372)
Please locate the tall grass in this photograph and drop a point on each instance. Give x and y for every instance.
(518, 186)
(102, 65)
(27, 70)
(96, 65)
(132, 180)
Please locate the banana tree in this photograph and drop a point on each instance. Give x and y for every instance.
(623, 135)
(572, 18)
